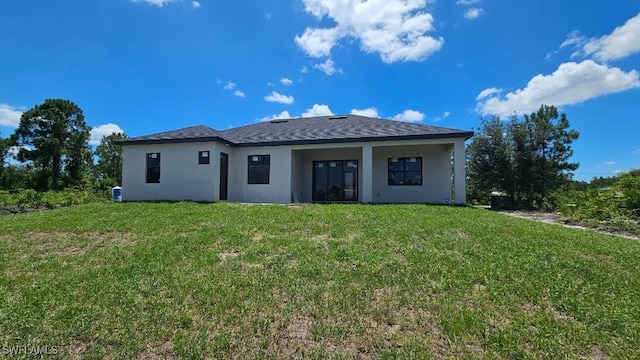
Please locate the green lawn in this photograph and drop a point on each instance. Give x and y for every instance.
(187, 280)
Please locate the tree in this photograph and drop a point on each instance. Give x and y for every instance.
(525, 159)
(53, 136)
(109, 166)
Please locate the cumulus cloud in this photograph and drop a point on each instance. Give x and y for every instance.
(609, 162)
(239, 93)
(327, 67)
(98, 132)
(409, 116)
(370, 112)
(622, 42)
(467, 2)
(279, 98)
(9, 116)
(195, 4)
(304, 70)
(283, 115)
(571, 83)
(394, 29)
(229, 85)
(473, 13)
(286, 82)
(317, 110)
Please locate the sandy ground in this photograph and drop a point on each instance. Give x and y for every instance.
(553, 218)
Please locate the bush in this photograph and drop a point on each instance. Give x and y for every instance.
(32, 200)
(616, 207)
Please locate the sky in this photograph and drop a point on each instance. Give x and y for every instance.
(146, 66)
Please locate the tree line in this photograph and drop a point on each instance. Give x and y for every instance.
(524, 159)
(49, 150)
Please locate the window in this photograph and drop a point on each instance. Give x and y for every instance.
(203, 157)
(405, 171)
(259, 166)
(153, 168)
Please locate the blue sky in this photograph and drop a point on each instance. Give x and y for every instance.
(147, 66)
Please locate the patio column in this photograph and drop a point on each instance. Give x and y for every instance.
(459, 176)
(366, 184)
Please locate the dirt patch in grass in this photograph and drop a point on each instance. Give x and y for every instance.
(227, 255)
(598, 354)
(158, 351)
(71, 244)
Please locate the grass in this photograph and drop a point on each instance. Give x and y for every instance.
(186, 280)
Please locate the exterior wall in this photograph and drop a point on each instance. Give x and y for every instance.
(181, 177)
(291, 171)
(436, 174)
(279, 188)
(305, 167)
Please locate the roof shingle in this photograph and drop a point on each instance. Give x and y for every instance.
(324, 129)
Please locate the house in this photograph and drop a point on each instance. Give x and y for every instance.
(321, 159)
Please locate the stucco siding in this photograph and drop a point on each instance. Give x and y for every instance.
(181, 177)
(436, 174)
(279, 188)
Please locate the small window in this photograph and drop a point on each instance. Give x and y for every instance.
(405, 171)
(259, 166)
(153, 168)
(203, 157)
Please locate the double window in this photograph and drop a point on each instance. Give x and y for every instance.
(259, 168)
(405, 171)
(153, 168)
(203, 157)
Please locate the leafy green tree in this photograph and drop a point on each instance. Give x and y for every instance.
(526, 159)
(53, 137)
(109, 166)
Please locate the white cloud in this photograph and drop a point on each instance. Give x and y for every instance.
(487, 92)
(327, 67)
(304, 70)
(269, 83)
(409, 116)
(9, 116)
(229, 85)
(279, 98)
(622, 42)
(573, 39)
(195, 4)
(318, 42)
(283, 115)
(239, 93)
(467, 2)
(571, 83)
(98, 132)
(395, 29)
(370, 112)
(442, 117)
(473, 13)
(286, 82)
(609, 162)
(158, 3)
(317, 110)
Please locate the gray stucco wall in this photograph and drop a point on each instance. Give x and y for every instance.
(181, 177)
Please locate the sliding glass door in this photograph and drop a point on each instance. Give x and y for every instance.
(335, 180)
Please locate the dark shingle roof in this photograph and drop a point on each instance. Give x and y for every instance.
(193, 133)
(324, 129)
